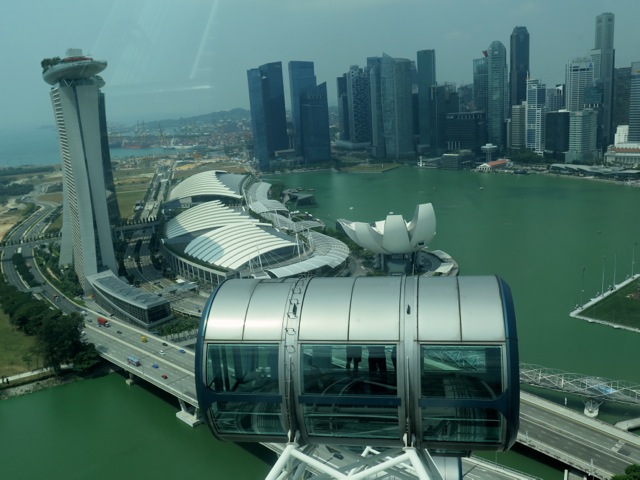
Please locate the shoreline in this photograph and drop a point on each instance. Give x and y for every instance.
(33, 386)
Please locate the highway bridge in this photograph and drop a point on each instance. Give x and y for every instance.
(589, 445)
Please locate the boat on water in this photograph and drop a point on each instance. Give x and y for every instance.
(423, 163)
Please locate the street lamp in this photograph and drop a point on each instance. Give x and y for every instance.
(604, 259)
(582, 286)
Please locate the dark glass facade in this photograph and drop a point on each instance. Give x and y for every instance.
(426, 80)
(268, 117)
(343, 107)
(556, 134)
(466, 130)
(519, 65)
(301, 79)
(314, 124)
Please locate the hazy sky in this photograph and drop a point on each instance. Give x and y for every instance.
(171, 58)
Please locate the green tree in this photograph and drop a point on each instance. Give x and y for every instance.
(632, 472)
(86, 358)
(59, 339)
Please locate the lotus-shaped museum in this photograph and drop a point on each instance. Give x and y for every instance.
(394, 235)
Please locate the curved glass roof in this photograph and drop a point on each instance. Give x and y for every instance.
(232, 246)
(207, 215)
(207, 183)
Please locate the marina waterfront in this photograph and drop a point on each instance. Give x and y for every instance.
(538, 232)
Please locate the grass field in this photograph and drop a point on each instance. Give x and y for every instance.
(13, 345)
(128, 195)
(621, 307)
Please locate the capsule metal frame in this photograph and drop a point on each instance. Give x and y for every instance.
(438, 362)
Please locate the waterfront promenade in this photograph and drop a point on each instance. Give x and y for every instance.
(579, 311)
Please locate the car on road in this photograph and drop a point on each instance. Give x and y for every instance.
(164, 375)
(165, 344)
(161, 352)
(155, 365)
(118, 331)
(181, 350)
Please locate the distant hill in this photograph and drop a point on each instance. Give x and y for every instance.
(233, 115)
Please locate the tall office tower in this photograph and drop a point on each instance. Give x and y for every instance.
(466, 130)
(498, 102)
(534, 120)
(634, 104)
(268, 117)
(465, 96)
(583, 126)
(397, 108)
(603, 56)
(378, 147)
(519, 65)
(359, 104)
(518, 126)
(426, 80)
(621, 86)
(556, 134)
(481, 83)
(579, 76)
(554, 98)
(343, 107)
(314, 124)
(301, 79)
(89, 205)
(444, 101)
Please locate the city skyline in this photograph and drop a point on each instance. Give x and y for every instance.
(191, 58)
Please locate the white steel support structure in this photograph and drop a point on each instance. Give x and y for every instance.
(408, 462)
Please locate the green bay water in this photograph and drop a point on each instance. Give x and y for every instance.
(538, 232)
(103, 429)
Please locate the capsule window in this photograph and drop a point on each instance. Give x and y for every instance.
(462, 371)
(244, 379)
(243, 368)
(350, 391)
(349, 369)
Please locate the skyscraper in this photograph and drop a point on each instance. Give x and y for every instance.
(301, 79)
(314, 124)
(90, 208)
(426, 80)
(519, 55)
(603, 56)
(535, 108)
(579, 76)
(268, 117)
(343, 107)
(498, 98)
(481, 83)
(634, 104)
(518, 126)
(359, 104)
(378, 148)
(397, 108)
(621, 90)
(583, 126)
(556, 136)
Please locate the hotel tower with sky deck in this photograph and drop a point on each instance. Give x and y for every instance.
(90, 207)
